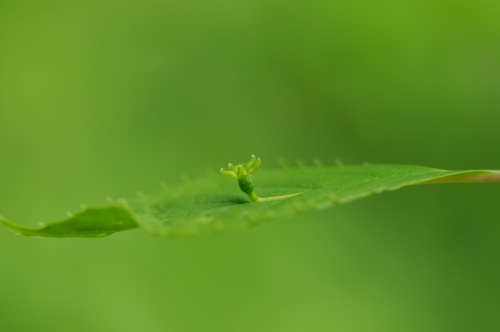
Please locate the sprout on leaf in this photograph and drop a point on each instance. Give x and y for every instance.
(245, 180)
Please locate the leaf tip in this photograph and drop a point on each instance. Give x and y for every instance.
(18, 230)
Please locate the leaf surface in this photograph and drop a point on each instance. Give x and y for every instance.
(214, 204)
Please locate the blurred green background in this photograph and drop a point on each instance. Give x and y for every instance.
(104, 98)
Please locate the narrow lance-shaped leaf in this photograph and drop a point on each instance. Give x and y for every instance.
(214, 204)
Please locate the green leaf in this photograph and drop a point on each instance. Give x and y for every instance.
(214, 204)
(92, 222)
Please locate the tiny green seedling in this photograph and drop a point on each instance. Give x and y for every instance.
(245, 180)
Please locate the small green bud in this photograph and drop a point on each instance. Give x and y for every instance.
(247, 186)
(245, 180)
(242, 174)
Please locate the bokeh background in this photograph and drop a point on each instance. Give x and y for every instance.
(105, 98)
